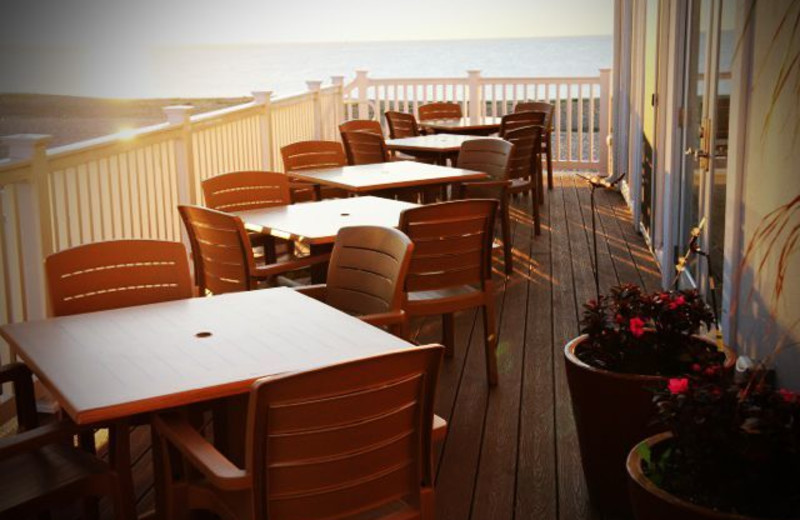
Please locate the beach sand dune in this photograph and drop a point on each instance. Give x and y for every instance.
(70, 119)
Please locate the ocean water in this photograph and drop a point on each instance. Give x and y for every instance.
(227, 71)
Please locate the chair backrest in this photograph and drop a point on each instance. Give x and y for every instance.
(526, 141)
(343, 439)
(115, 274)
(538, 106)
(238, 191)
(519, 119)
(367, 270)
(361, 125)
(490, 156)
(221, 249)
(311, 155)
(401, 124)
(364, 147)
(452, 243)
(439, 111)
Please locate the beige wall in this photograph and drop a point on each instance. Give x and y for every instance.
(771, 178)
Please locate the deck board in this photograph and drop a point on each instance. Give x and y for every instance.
(511, 452)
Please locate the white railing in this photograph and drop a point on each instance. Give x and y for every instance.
(582, 106)
(128, 185)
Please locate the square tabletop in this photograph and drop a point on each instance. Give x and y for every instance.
(437, 143)
(389, 175)
(319, 222)
(481, 125)
(112, 364)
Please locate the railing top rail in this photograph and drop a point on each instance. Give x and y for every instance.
(532, 80)
(108, 140)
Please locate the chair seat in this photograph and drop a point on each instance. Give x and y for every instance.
(444, 300)
(40, 473)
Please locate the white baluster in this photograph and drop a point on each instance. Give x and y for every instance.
(264, 98)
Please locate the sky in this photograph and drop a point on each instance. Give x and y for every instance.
(150, 23)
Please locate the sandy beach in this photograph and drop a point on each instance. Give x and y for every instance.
(70, 119)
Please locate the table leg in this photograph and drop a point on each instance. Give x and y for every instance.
(319, 272)
(119, 455)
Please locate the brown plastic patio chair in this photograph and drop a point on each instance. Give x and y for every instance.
(364, 147)
(313, 155)
(547, 139)
(366, 276)
(223, 252)
(117, 273)
(401, 124)
(42, 471)
(243, 190)
(519, 119)
(341, 441)
(441, 110)
(521, 176)
(451, 268)
(491, 156)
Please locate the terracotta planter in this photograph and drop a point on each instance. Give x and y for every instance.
(649, 502)
(612, 412)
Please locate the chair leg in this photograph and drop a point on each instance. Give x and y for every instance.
(549, 156)
(448, 334)
(490, 339)
(505, 223)
(540, 173)
(537, 214)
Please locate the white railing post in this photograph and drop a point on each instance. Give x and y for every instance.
(474, 100)
(35, 219)
(363, 102)
(180, 115)
(338, 105)
(314, 87)
(264, 98)
(604, 124)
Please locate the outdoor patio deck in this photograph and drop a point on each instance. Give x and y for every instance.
(511, 453)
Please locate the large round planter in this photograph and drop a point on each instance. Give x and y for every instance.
(612, 413)
(649, 502)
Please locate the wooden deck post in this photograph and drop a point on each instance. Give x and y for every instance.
(264, 98)
(314, 87)
(363, 102)
(474, 98)
(338, 107)
(604, 125)
(35, 219)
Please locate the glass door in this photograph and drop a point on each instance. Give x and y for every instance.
(706, 103)
(647, 195)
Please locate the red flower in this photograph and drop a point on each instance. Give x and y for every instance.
(788, 396)
(678, 386)
(677, 302)
(711, 370)
(696, 367)
(637, 327)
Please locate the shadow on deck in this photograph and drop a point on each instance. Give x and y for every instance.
(512, 453)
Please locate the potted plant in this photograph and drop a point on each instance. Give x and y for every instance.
(731, 451)
(632, 342)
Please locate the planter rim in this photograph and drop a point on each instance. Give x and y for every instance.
(634, 467)
(569, 353)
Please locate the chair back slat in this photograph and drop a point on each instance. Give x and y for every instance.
(440, 111)
(538, 106)
(401, 124)
(446, 237)
(117, 273)
(344, 439)
(367, 270)
(238, 191)
(361, 125)
(519, 119)
(364, 147)
(312, 155)
(221, 248)
(526, 141)
(489, 156)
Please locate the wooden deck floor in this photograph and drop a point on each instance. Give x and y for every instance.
(511, 452)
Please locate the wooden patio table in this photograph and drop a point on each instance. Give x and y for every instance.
(110, 365)
(483, 125)
(317, 223)
(441, 147)
(367, 178)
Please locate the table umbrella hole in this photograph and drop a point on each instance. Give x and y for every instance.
(204, 334)
(344, 214)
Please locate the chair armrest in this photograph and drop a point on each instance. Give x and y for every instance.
(37, 438)
(384, 318)
(19, 375)
(318, 291)
(271, 270)
(221, 472)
